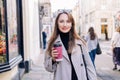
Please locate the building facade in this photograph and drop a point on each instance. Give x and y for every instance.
(76, 15)
(99, 14)
(46, 19)
(19, 37)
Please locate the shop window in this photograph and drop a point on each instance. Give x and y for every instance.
(2, 34)
(12, 28)
(9, 50)
(104, 20)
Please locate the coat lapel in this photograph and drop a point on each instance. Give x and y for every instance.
(65, 54)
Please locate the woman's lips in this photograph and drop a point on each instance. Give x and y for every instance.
(65, 28)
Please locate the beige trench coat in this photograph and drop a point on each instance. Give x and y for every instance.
(62, 70)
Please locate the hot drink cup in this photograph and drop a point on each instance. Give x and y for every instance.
(58, 47)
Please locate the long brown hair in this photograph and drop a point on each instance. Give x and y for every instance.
(72, 34)
(118, 29)
(92, 33)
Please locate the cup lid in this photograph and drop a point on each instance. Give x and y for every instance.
(57, 44)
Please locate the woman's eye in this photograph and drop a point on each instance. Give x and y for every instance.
(61, 21)
(68, 21)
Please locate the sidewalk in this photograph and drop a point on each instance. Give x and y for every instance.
(106, 47)
(38, 71)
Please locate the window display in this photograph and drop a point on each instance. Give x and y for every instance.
(9, 33)
(2, 35)
(12, 28)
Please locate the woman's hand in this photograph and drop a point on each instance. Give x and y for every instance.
(54, 53)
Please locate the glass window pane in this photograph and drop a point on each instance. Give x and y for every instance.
(104, 20)
(2, 34)
(12, 28)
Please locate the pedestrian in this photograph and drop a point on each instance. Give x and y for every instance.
(44, 37)
(92, 41)
(116, 47)
(72, 66)
(106, 34)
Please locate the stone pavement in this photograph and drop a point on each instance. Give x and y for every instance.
(106, 47)
(104, 63)
(37, 71)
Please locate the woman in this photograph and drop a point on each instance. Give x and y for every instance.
(92, 41)
(116, 48)
(72, 66)
(44, 36)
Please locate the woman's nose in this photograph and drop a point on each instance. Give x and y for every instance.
(65, 24)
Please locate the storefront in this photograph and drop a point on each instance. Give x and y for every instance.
(11, 41)
(19, 37)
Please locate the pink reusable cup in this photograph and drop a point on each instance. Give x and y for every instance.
(58, 47)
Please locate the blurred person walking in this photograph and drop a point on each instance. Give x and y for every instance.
(106, 34)
(76, 63)
(115, 41)
(92, 41)
(44, 37)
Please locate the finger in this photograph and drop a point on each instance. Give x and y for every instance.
(54, 54)
(54, 51)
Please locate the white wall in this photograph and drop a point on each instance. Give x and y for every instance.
(31, 30)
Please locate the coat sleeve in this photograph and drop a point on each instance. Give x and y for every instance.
(86, 37)
(48, 63)
(89, 65)
(114, 39)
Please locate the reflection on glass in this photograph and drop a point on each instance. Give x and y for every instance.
(12, 28)
(2, 35)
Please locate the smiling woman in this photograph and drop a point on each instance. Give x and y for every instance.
(64, 23)
(72, 65)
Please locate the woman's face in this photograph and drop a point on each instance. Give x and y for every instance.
(64, 24)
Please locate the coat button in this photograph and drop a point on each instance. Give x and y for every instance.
(81, 64)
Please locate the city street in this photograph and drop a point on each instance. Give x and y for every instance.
(26, 26)
(103, 62)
